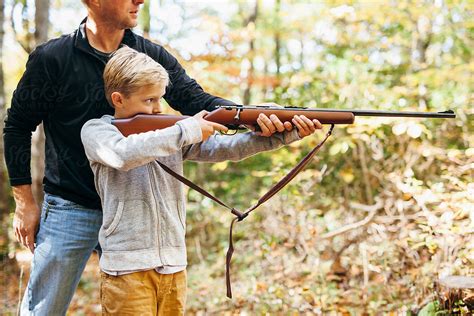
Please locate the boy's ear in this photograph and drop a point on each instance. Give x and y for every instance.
(117, 99)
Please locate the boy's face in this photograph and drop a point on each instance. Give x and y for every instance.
(146, 100)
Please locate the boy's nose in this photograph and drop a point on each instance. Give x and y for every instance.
(157, 109)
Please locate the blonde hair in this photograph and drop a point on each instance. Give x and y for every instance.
(129, 70)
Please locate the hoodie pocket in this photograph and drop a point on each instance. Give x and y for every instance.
(131, 227)
(115, 220)
(172, 225)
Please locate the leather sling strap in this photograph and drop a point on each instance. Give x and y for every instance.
(239, 215)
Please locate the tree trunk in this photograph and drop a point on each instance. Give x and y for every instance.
(277, 39)
(251, 23)
(454, 291)
(145, 19)
(25, 38)
(37, 151)
(3, 175)
(277, 51)
(41, 21)
(422, 38)
(4, 205)
(3, 194)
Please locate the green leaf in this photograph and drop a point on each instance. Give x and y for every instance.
(430, 309)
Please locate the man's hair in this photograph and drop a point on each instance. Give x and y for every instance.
(129, 70)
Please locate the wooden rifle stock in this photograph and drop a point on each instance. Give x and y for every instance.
(233, 116)
(142, 123)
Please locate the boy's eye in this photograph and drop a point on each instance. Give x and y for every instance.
(150, 100)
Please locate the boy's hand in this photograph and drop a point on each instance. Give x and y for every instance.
(208, 128)
(305, 126)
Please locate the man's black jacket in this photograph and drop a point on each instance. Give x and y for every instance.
(63, 88)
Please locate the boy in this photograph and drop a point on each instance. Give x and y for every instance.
(142, 235)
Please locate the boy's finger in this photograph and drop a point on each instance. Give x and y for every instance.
(219, 127)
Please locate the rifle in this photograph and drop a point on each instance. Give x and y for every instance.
(235, 115)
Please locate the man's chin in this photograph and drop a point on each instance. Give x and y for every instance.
(132, 24)
(129, 24)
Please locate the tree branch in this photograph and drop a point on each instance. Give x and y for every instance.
(372, 209)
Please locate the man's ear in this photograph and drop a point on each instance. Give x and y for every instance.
(92, 3)
(117, 100)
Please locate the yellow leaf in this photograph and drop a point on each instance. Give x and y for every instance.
(220, 166)
(347, 175)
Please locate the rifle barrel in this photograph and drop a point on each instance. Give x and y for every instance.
(444, 114)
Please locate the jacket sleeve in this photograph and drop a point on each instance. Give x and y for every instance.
(32, 100)
(104, 144)
(183, 93)
(221, 147)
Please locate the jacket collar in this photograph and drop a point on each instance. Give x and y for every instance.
(82, 43)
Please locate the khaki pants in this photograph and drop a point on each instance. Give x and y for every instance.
(143, 293)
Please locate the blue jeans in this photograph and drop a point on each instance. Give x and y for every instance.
(67, 235)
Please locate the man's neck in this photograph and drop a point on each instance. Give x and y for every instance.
(103, 36)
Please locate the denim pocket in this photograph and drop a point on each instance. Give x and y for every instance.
(58, 202)
(44, 215)
(131, 227)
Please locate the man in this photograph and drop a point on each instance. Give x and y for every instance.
(62, 87)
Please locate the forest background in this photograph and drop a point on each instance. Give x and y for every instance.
(384, 211)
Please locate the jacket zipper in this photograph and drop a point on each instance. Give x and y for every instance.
(152, 185)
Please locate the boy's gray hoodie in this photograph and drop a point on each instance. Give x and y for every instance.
(144, 214)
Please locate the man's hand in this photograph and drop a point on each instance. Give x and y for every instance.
(27, 216)
(208, 128)
(272, 124)
(305, 126)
